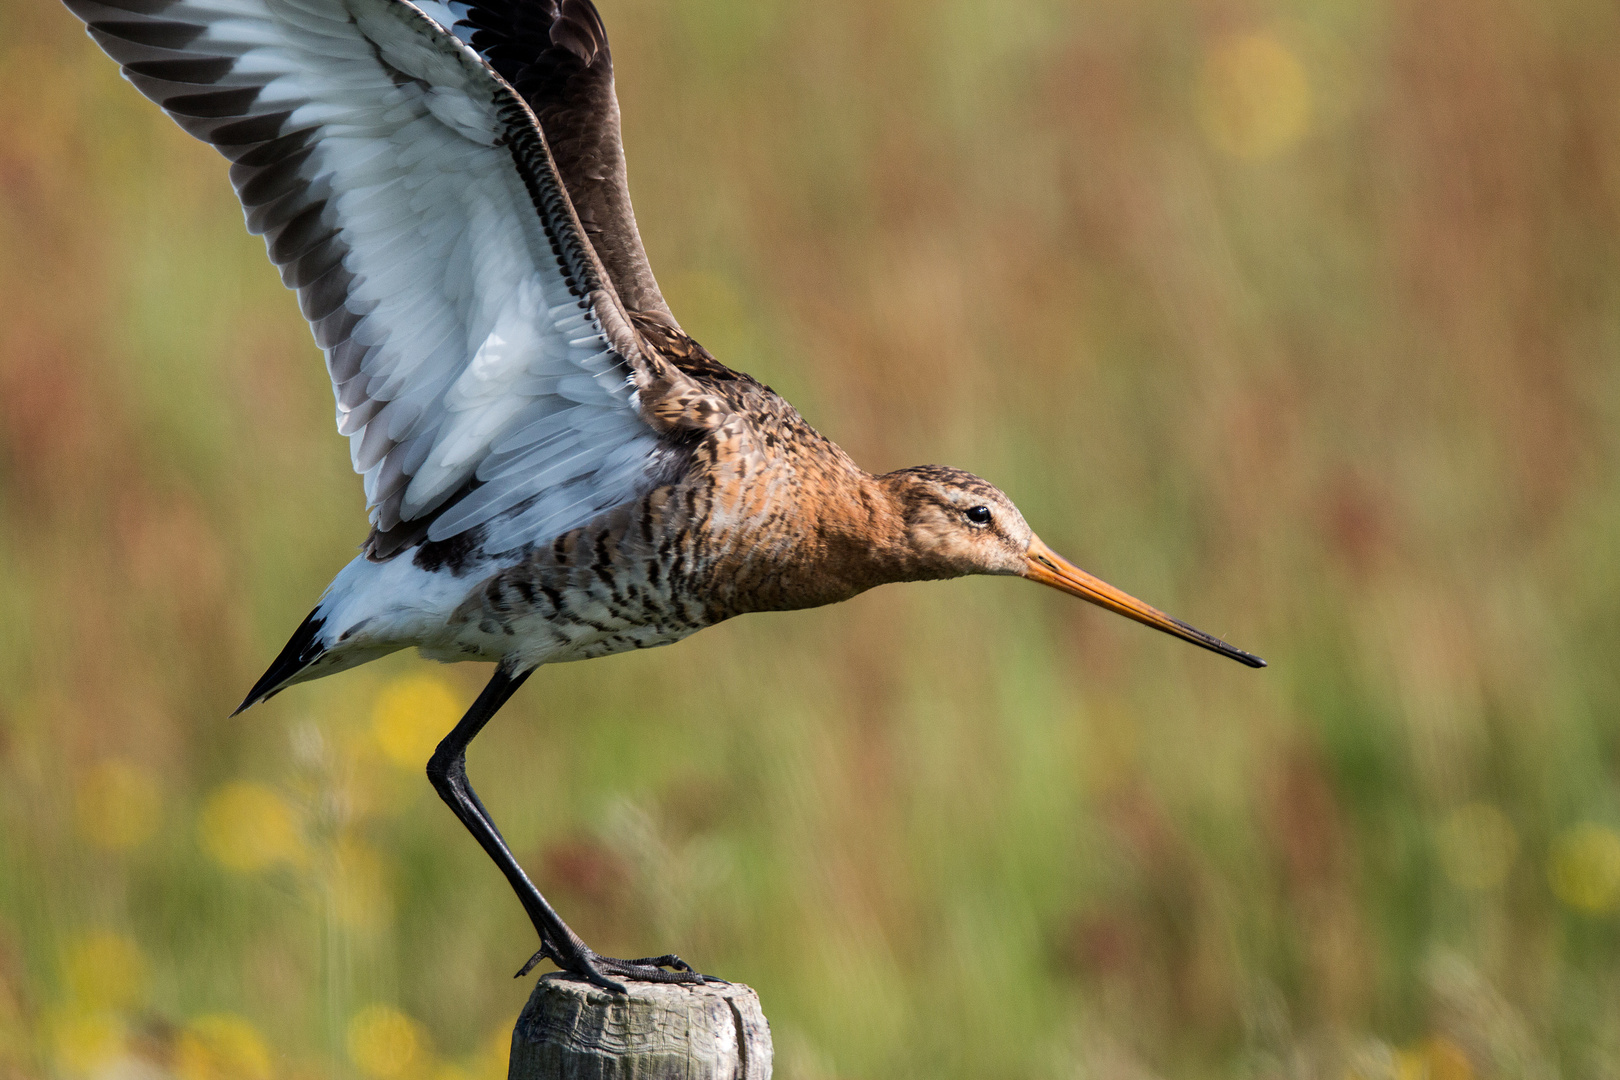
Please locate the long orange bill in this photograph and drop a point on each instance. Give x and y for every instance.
(1049, 568)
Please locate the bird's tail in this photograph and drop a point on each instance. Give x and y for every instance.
(370, 610)
(300, 652)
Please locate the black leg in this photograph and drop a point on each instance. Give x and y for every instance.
(447, 770)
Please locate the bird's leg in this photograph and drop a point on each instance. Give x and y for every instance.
(447, 770)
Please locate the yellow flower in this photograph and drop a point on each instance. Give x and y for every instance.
(118, 805)
(247, 827)
(104, 970)
(492, 1060)
(1253, 96)
(221, 1046)
(1585, 868)
(1477, 846)
(1436, 1058)
(411, 715)
(1411, 1065)
(385, 1043)
(83, 1041)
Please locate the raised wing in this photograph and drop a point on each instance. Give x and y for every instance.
(484, 370)
(555, 54)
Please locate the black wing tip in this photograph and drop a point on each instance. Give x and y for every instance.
(301, 650)
(577, 27)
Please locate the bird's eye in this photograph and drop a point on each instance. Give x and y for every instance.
(979, 515)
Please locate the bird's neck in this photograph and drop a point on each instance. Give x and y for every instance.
(836, 533)
(861, 536)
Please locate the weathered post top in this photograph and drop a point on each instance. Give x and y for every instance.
(571, 1030)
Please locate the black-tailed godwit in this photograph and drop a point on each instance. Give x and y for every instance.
(555, 471)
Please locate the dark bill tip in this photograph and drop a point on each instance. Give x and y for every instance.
(1214, 644)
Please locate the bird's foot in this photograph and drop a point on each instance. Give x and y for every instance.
(582, 961)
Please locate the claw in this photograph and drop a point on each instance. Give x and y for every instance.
(598, 979)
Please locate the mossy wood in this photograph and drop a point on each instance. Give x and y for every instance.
(571, 1030)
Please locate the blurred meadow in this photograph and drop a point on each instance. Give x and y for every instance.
(1299, 319)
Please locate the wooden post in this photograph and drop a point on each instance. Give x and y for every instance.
(571, 1030)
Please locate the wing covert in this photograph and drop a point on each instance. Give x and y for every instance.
(484, 370)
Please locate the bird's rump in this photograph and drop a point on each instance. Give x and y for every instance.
(484, 369)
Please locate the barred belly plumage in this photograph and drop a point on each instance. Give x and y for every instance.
(622, 582)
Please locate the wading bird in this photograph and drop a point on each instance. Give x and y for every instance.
(554, 469)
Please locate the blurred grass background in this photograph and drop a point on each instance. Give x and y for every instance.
(1299, 319)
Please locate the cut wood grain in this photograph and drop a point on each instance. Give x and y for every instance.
(571, 1030)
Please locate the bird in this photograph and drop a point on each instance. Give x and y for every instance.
(554, 469)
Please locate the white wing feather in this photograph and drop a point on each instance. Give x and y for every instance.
(472, 372)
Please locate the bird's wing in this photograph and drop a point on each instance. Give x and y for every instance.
(485, 371)
(555, 54)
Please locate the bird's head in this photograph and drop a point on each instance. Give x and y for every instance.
(958, 524)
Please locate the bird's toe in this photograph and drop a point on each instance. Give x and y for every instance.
(650, 969)
(602, 970)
